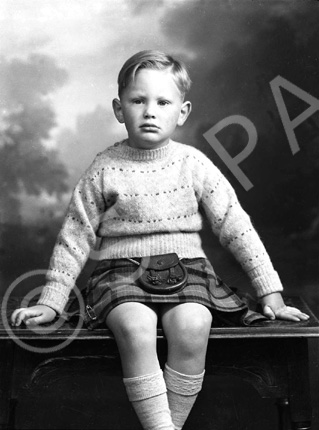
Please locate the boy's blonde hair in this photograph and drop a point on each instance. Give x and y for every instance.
(155, 60)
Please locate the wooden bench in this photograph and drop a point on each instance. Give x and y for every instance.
(272, 357)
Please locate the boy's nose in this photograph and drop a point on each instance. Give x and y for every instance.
(148, 115)
(149, 112)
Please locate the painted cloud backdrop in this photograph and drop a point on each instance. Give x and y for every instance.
(58, 71)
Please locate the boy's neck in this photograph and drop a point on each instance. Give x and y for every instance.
(139, 154)
(146, 145)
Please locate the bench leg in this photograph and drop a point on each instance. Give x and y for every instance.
(6, 369)
(299, 386)
(283, 414)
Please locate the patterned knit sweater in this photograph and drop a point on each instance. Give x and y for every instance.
(132, 203)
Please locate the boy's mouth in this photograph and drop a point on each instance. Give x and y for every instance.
(149, 127)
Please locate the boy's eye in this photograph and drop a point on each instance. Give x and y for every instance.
(137, 101)
(163, 102)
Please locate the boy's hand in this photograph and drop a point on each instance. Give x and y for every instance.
(34, 315)
(274, 307)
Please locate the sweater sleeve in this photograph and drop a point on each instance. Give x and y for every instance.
(233, 227)
(76, 239)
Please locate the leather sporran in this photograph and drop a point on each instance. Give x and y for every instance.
(162, 274)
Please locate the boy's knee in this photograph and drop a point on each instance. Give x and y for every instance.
(132, 325)
(193, 332)
(139, 332)
(198, 326)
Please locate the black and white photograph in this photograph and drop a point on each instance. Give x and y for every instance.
(159, 214)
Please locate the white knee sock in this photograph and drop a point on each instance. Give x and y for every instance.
(149, 399)
(182, 391)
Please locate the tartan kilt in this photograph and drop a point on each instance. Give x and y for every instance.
(114, 282)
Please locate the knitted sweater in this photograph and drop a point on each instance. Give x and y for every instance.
(132, 203)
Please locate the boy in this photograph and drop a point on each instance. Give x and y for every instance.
(143, 197)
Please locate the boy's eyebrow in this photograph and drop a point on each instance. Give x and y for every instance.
(140, 93)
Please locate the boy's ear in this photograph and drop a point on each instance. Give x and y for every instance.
(185, 111)
(117, 109)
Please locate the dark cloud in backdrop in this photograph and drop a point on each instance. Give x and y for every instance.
(241, 47)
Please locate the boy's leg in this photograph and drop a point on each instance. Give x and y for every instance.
(134, 327)
(187, 328)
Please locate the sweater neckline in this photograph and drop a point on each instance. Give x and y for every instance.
(127, 152)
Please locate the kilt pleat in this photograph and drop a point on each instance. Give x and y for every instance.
(114, 282)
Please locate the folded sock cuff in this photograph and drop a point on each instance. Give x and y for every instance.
(145, 386)
(179, 383)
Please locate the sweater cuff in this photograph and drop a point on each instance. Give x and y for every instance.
(53, 297)
(265, 280)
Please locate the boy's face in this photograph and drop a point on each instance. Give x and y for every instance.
(151, 107)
